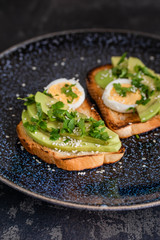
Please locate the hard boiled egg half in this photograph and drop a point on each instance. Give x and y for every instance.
(118, 103)
(70, 92)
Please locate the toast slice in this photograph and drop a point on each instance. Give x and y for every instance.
(65, 160)
(124, 124)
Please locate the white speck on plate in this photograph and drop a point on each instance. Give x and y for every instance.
(34, 68)
(82, 58)
(151, 58)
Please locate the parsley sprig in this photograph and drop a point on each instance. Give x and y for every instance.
(67, 90)
(28, 100)
(122, 91)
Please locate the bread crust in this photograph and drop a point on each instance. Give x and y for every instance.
(124, 124)
(65, 160)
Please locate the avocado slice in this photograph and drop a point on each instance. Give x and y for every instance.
(43, 139)
(32, 112)
(149, 110)
(115, 60)
(132, 62)
(45, 101)
(104, 77)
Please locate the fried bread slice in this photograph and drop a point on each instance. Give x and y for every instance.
(124, 124)
(68, 160)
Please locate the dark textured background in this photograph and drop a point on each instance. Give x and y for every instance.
(22, 217)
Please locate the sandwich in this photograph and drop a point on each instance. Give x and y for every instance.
(61, 127)
(127, 94)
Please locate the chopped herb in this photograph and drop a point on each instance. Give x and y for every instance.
(30, 127)
(42, 125)
(122, 91)
(146, 72)
(81, 125)
(39, 110)
(54, 134)
(97, 132)
(122, 58)
(97, 123)
(67, 90)
(67, 140)
(48, 94)
(68, 125)
(119, 72)
(132, 108)
(137, 136)
(58, 105)
(28, 100)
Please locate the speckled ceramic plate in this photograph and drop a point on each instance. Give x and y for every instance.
(132, 183)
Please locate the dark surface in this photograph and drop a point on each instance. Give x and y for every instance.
(23, 217)
(30, 68)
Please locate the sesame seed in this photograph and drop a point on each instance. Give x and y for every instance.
(7, 136)
(98, 60)
(62, 63)
(55, 64)
(81, 173)
(34, 68)
(143, 158)
(23, 84)
(154, 141)
(10, 108)
(151, 58)
(17, 94)
(38, 161)
(22, 148)
(82, 58)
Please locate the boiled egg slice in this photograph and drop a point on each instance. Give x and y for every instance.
(70, 92)
(118, 103)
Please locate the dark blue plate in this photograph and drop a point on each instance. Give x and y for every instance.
(132, 183)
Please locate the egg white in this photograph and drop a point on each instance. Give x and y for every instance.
(112, 104)
(80, 98)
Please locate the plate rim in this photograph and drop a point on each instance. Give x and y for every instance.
(77, 205)
(61, 202)
(74, 31)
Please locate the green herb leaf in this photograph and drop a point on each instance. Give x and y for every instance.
(54, 135)
(97, 132)
(48, 94)
(67, 90)
(81, 125)
(39, 110)
(131, 108)
(42, 125)
(146, 72)
(122, 58)
(122, 91)
(30, 127)
(58, 105)
(28, 100)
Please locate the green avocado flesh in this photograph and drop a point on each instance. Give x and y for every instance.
(103, 78)
(75, 142)
(128, 67)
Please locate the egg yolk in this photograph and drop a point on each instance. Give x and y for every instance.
(129, 99)
(55, 90)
